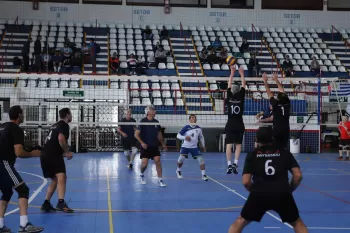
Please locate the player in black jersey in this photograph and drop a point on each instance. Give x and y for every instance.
(234, 127)
(280, 112)
(128, 138)
(265, 176)
(52, 161)
(11, 147)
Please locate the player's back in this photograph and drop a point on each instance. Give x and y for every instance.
(235, 106)
(281, 114)
(52, 145)
(10, 134)
(269, 167)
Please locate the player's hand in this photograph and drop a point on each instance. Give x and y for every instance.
(165, 148)
(264, 76)
(69, 155)
(188, 138)
(275, 76)
(204, 149)
(241, 71)
(144, 146)
(124, 135)
(36, 153)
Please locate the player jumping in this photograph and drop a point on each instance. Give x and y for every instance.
(190, 134)
(235, 126)
(265, 176)
(344, 143)
(128, 138)
(280, 112)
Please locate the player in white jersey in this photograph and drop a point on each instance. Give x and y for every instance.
(191, 134)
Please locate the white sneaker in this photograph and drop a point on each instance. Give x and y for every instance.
(179, 175)
(205, 178)
(161, 183)
(143, 181)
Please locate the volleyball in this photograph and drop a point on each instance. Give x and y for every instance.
(230, 61)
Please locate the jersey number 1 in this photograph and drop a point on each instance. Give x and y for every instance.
(282, 108)
(49, 136)
(269, 170)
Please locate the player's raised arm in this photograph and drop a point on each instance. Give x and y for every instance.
(268, 91)
(241, 72)
(279, 85)
(230, 80)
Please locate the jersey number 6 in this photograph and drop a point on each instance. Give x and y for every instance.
(269, 170)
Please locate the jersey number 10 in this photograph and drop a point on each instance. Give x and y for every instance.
(235, 109)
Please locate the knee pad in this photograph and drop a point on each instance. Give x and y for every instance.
(23, 191)
(134, 150)
(6, 194)
(200, 160)
(181, 159)
(126, 153)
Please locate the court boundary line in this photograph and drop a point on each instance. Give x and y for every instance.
(241, 196)
(36, 192)
(110, 214)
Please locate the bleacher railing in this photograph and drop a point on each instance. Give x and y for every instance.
(273, 57)
(254, 32)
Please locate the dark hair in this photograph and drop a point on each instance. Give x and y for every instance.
(64, 112)
(283, 98)
(14, 112)
(264, 135)
(192, 116)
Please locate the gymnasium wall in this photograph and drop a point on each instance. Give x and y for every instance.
(188, 16)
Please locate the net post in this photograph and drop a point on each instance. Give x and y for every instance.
(319, 100)
(77, 131)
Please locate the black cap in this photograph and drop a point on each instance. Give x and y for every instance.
(264, 135)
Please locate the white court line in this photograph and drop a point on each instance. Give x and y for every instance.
(36, 192)
(231, 190)
(328, 228)
(272, 227)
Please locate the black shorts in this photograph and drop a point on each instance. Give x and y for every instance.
(9, 176)
(281, 138)
(128, 143)
(344, 142)
(149, 153)
(258, 203)
(234, 136)
(52, 165)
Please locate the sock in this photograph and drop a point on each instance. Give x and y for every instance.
(60, 200)
(229, 163)
(178, 169)
(23, 220)
(1, 222)
(160, 179)
(141, 174)
(203, 172)
(236, 161)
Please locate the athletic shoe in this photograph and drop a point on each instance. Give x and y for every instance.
(143, 181)
(340, 158)
(161, 183)
(5, 230)
(234, 168)
(347, 158)
(205, 178)
(130, 166)
(179, 175)
(64, 208)
(29, 228)
(46, 207)
(229, 169)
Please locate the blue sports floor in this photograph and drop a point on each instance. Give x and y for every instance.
(108, 198)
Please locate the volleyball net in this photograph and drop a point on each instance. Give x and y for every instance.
(98, 104)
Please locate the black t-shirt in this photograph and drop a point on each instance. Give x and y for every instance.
(128, 129)
(149, 133)
(269, 167)
(235, 107)
(281, 113)
(52, 146)
(10, 134)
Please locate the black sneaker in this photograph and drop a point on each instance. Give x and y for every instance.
(234, 168)
(229, 169)
(130, 166)
(64, 208)
(5, 230)
(29, 228)
(47, 207)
